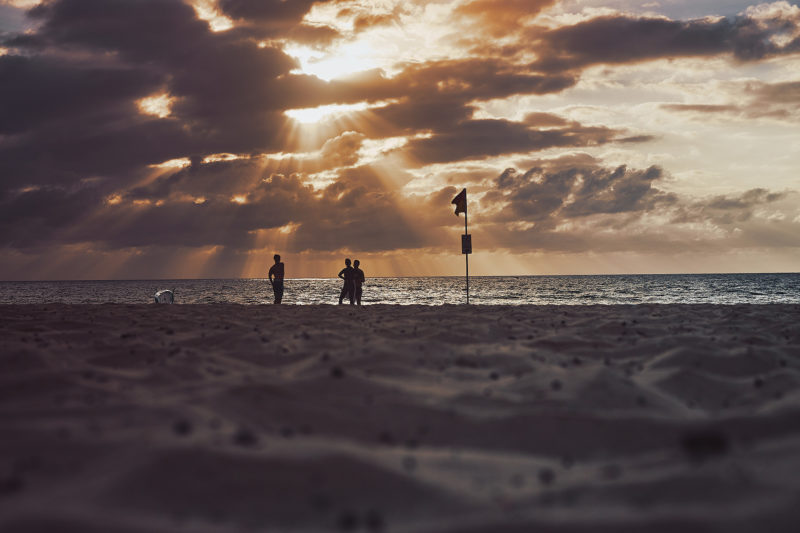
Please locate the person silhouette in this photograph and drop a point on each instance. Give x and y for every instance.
(277, 284)
(348, 275)
(358, 279)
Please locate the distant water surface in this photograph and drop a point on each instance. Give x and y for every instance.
(513, 290)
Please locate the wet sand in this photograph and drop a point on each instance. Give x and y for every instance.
(211, 418)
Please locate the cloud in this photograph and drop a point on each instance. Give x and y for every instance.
(368, 21)
(79, 159)
(42, 215)
(502, 16)
(478, 139)
(576, 204)
(620, 39)
(73, 92)
(755, 100)
(42, 92)
(267, 11)
(546, 193)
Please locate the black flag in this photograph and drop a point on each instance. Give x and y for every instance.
(460, 202)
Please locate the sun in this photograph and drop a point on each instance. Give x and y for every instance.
(315, 115)
(159, 105)
(337, 62)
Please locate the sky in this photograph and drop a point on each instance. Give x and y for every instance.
(197, 138)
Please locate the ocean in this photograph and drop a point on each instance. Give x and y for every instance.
(513, 290)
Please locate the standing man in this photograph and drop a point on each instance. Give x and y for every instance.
(276, 271)
(348, 275)
(358, 279)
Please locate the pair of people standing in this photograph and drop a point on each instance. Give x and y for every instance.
(353, 279)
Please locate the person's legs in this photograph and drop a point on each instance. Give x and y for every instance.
(358, 294)
(349, 291)
(343, 293)
(278, 288)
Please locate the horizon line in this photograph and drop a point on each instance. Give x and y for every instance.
(411, 277)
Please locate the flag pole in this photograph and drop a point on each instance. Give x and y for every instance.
(466, 256)
(460, 202)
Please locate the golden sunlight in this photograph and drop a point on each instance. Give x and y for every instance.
(159, 105)
(314, 115)
(173, 163)
(239, 199)
(209, 11)
(23, 4)
(338, 62)
(416, 33)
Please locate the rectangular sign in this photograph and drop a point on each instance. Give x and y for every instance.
(466, 244)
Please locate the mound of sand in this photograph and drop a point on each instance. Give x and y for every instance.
(215, 418)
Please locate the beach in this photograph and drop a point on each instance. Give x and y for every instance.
(433, 419)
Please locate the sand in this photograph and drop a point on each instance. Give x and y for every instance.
(211, 418)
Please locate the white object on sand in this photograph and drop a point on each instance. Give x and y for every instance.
(165, 296)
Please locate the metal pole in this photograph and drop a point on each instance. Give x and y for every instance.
(466, 256)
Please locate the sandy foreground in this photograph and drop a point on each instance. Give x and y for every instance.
(210, 418)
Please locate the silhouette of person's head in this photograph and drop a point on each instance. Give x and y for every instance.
(347, 262)
(356, 263)
(277, 258)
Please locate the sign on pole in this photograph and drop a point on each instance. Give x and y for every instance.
(466, 244)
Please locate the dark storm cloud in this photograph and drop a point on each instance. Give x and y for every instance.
(278, 19)
(75, 150)
(41, 216)
(111, 152)
(478, 139)
(75, 130)
(238, 176)
(453, 83)
(432, 97)
(229, 93)
(359, 209)
(39, 91)
(219, 221)
(363, 209)
(576, 204)
(267, 11)
(557, 194)
(81, 121)
(625, 39)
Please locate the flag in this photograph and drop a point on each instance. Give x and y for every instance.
(460, 202)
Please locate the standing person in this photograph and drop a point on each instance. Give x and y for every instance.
(348, 275)
(358, 279)
(277, 284)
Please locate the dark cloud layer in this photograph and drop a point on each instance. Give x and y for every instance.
(624, 39)
(577, 205)
(478, 139)
(545, 194)
(77, 154)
